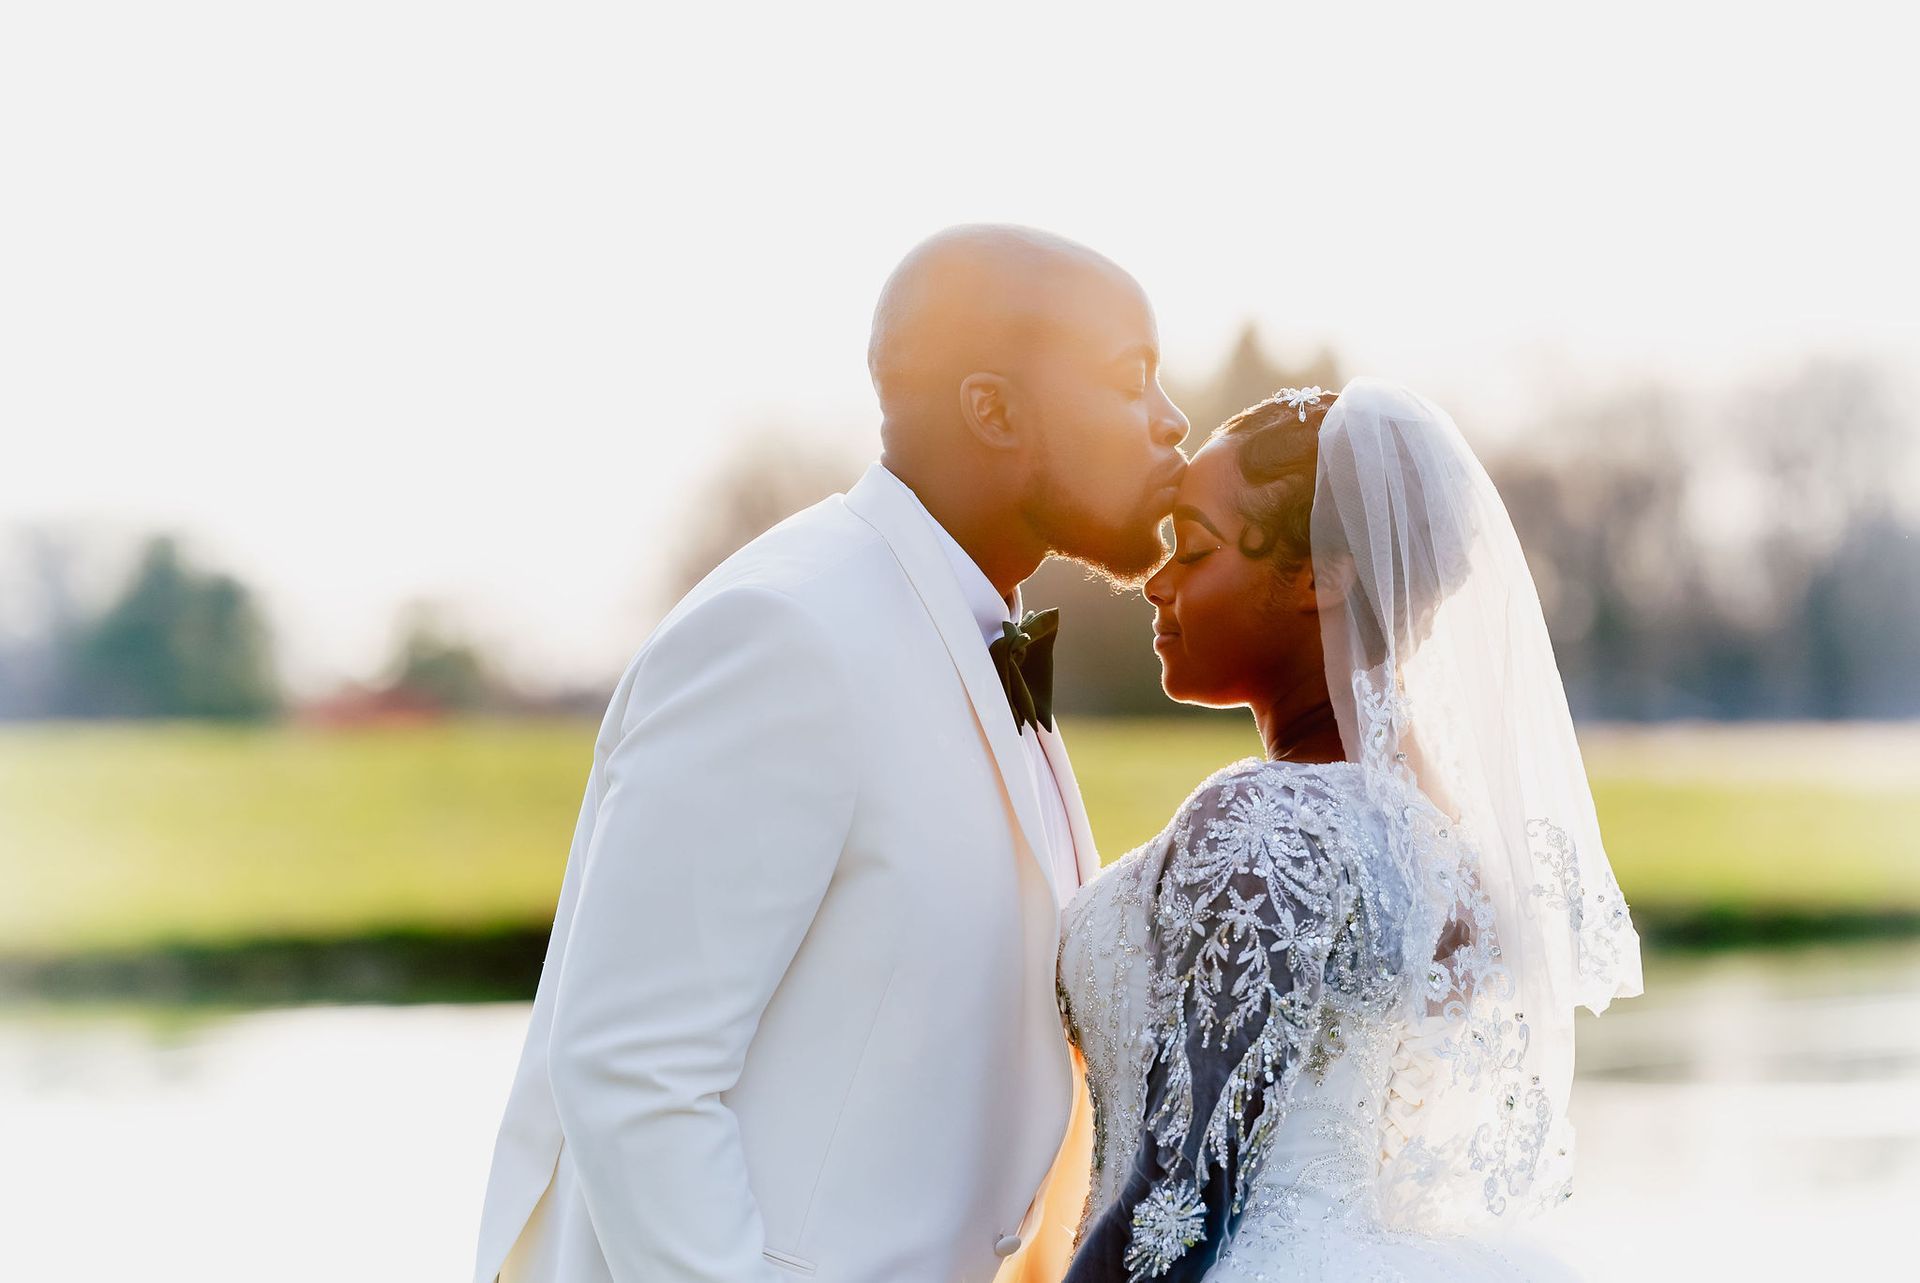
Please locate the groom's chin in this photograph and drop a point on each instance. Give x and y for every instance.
(1126, 560)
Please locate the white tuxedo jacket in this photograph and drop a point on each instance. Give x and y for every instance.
(798, 1013)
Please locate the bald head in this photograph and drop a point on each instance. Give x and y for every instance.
(977, 298)
(1020, 394)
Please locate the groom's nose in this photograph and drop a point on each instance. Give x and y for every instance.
(1170, 427)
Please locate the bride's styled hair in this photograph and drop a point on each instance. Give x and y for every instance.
(1277, 446)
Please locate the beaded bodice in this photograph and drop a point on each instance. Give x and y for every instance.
(1270, 999)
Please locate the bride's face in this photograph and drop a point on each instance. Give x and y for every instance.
(1229, 629)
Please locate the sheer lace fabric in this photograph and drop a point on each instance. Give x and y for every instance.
(1282, 1071)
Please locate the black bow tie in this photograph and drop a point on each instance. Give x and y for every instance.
(1023, 656)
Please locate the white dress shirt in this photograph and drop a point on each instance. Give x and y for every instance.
(990, 610)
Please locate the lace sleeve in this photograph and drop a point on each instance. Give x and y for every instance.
(1255, 917)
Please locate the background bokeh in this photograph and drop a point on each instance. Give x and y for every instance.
(374, 377)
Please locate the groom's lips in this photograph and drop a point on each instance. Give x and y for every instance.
(1169, 483)
(1161, 637)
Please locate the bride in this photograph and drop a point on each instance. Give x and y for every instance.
(1327, 1015)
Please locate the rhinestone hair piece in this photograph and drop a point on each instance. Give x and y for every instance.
(1299, 399)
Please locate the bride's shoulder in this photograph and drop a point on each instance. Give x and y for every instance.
(1253, 795)
(1313, 812)
(1257, 790)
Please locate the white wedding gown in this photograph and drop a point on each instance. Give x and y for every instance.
(1283, 1087)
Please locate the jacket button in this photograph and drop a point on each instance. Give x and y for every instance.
(1006, 1245)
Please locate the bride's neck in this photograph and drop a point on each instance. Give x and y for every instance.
(1293, 734)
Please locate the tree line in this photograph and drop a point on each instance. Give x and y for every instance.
(1751, 555)
(182, 641)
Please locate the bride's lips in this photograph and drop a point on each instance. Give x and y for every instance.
(1162, 638)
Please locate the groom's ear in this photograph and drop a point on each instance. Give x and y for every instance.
(983, 406)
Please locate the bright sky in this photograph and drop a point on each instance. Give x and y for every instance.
(386, 299)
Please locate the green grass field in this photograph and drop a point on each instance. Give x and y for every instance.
(126, 836)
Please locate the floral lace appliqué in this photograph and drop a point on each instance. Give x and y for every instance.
(1167, 1222)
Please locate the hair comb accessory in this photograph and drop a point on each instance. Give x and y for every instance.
(1299, 398)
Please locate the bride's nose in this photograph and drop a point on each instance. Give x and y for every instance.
(1159, 586)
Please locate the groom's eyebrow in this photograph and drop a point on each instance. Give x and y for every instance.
(1187, 512)
(1139, 352)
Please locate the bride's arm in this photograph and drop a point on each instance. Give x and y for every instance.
(1246, 915)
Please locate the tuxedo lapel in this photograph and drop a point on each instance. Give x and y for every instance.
(1086, 856)
(915, 548)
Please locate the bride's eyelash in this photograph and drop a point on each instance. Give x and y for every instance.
(1192, 557)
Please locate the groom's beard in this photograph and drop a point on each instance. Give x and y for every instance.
(1123, 555)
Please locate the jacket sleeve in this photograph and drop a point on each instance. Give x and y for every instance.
(728, 794)
(1246, 914)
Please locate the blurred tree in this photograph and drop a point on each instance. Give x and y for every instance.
(434, 668)
(1248, 376)
(1603, 519)
(767, 479)
(1860, 617)
(1832, 453)
(177, 643)
(1663, 604)
(38, 616)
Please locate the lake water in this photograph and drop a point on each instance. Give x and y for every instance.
(1755, 1117)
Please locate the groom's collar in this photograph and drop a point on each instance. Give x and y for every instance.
(884, 502)
(989, 608)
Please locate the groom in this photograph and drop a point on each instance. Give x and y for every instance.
(797, 1018)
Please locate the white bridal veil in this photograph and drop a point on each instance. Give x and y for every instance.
(1444, 681)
